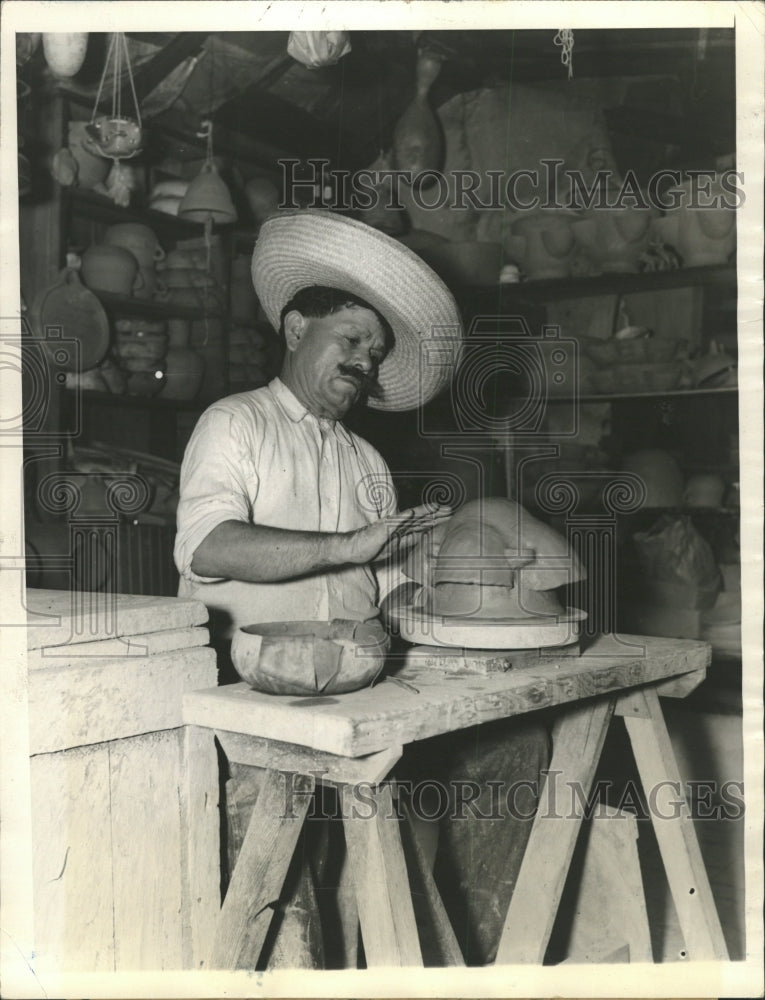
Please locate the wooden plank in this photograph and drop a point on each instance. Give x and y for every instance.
(113, 699)
(673, 826)
(72, 861)
(200, 844)
(147, 644)
(145, 773)
(383, 896)
(55, 617)
(577, 743)
(486, 661)
(323, 767)
(431, 907)
(386, 715)
(260, 870)
(609, 902)
(681, 687)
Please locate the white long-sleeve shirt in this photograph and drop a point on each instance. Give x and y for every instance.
(261, 457)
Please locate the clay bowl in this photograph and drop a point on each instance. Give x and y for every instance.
(310, 658)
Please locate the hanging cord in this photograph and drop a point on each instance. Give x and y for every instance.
(114, 58)
(132, 81)
(206, 133)
(107, 62)
(564, 39)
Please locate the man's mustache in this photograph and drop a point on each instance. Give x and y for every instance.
(368, 384)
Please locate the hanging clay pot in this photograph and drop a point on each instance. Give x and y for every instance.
(417, 138)
(65, 51)
(207, 199)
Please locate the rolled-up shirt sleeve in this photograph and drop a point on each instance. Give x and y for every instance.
(218, 483)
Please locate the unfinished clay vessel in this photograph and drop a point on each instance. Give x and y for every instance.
(310, 658)
(492, 560)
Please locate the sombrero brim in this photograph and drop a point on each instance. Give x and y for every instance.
(310, 247)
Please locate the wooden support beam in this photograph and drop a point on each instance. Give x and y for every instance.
(383, 896)
(323, 767)
(154, 71)
(261, 869)
(577, 742)
(673, 826)
(428, 904)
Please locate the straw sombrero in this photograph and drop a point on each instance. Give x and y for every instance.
(296, 249)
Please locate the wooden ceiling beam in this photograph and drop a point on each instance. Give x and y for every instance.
(154, 71)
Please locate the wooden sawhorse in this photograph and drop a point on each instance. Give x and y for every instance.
(356, 739)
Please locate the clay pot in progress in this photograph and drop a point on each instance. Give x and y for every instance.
(310, 658)
(111, 269)
(492, 559)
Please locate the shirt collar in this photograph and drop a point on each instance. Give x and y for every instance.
(296, 411)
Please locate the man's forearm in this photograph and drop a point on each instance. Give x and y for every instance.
(260, 554)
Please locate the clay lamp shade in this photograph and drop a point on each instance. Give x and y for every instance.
(207, 199)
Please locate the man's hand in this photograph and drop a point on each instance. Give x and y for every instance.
(380, 539)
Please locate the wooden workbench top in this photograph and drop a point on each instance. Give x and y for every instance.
(438, 701)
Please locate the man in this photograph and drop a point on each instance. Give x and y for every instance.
(283, 510)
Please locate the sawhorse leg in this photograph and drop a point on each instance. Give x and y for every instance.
(383, 895)
(261, 869)
(676, 836)
(578, 741)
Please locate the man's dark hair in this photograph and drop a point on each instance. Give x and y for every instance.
(317, 301)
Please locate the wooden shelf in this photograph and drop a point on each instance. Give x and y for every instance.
(611, 397)
(90, 397)
(493, 297)
(100, 208)
(128, 305)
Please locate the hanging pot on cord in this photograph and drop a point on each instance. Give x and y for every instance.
(207, 199)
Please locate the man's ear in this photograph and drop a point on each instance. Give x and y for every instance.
(294, 326)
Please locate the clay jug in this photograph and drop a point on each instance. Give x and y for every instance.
(139, 239)
(111, 269)
(417, 138)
